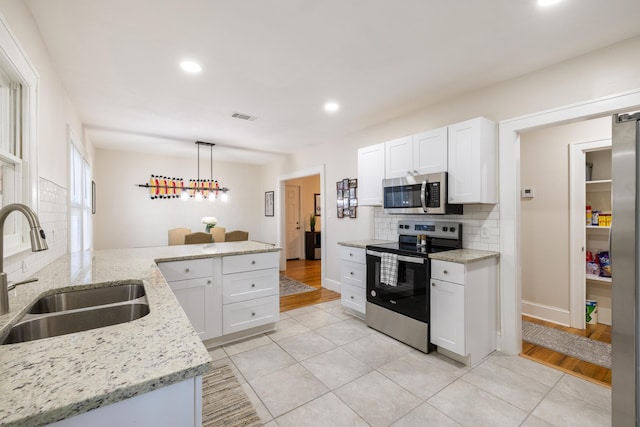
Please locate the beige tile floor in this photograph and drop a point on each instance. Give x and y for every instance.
(323, 367)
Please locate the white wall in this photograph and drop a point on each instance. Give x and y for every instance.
(600, 73)
(545, 219)
(127, 217)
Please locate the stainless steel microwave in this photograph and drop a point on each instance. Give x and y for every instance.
(418, 194)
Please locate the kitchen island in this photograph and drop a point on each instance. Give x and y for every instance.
(48, 380)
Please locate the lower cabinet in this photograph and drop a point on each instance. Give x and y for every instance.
(229, 294)
(192, 283)
(353, 278)
(463, 308)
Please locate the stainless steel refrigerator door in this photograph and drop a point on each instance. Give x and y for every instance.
(624, 267)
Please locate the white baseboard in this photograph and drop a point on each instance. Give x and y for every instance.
(546, 312)
(332, 285)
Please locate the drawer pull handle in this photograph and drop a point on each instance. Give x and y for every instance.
(351, 296)
(208, 282)
(253, 285)
(186, 270)
(351, 273)
(433, 284)
(445, 272)
(253, 314)
(253, 262)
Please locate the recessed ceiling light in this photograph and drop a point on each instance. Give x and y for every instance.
(190, 66)
(545, 3)
(331, 106)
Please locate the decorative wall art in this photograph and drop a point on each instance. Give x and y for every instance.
(347, 198)
(268, 203)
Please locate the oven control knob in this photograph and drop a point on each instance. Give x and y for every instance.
(373, 293)
(452, 229)
(444, 229)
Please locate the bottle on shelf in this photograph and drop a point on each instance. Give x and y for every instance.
(589, 215)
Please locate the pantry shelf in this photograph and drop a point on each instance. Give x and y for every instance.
(600, 279)
(599, 185)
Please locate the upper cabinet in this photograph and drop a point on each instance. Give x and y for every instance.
(370, 175)
(418, 154)
(472, 168)
(466, 150)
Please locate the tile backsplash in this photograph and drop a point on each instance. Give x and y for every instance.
(480, 225)
(52, 213)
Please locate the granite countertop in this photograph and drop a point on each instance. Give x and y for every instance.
(51, 379)
(464, 256)
(364, 243)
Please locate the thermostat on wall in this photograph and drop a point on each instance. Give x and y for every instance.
(527, 193)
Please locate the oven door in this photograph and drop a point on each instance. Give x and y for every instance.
(411, 295)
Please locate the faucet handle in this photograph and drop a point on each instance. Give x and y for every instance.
(12, 285)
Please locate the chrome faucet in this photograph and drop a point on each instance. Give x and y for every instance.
(38, 243)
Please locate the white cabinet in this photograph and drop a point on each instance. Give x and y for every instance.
(192, 283)
(418, 154)
(472, 162)
(370, 175)
(353, 278)
(463, 309)
(250, 291)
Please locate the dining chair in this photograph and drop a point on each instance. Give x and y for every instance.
(218, 234)
(236, 236)
(176, 236)
(198, 237)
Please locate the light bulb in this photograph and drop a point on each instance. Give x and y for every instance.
(224, 197)
(212, 196)
(198, 196)
(184, 195)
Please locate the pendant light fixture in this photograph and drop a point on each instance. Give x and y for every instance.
(162, 187)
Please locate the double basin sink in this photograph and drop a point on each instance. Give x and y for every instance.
(72, 311)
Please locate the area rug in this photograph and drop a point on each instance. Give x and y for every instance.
(596, 352)
(289, 286)
(224, 402)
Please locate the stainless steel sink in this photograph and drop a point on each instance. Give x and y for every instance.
(72, 300)
(81, 310)
(74, 321)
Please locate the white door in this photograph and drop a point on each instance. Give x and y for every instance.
(292, 201)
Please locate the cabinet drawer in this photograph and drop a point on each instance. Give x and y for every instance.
(249, 262)
(349, 253)
(449, 271)
(248, 314)
(250, 285)
(188, 269)
(352, 273)
(354, 298)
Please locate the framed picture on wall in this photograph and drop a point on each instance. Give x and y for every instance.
(316, 204)
(268, 203)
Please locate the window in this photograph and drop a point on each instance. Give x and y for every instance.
(80, 200)
(18, 157)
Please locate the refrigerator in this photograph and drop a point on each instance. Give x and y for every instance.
(624, 266)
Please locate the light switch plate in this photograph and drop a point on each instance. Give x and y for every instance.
(527, 193)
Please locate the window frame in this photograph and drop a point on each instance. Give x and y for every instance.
(16, 67)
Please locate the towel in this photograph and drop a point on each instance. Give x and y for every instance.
(389, 269)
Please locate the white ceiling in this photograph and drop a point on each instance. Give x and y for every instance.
(281, 60)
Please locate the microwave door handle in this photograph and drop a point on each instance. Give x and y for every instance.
(424, 195)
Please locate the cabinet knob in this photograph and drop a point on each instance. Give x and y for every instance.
(208, 282)
(253, 314)
(186, 270)
(253, 262)
(351, 296)
(351, 273)
(433, 284)
(415, 172)
(350, 254)
(253, 285)
(445, 272)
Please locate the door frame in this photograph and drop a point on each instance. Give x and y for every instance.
(577, 235)
(280, 213)
(510, 338)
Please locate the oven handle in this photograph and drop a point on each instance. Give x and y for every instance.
(414, 260)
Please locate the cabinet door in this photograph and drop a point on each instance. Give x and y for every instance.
(353, 297)
(194, 296)
(447, 316)
(370, 175)
(472, 162)
(399, 158)
(430, 151)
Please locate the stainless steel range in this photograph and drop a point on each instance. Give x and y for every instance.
(398, 297)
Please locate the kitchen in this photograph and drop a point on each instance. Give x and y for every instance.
(595, 75)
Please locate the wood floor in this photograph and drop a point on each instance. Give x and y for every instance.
(309, 272)
(568, 364)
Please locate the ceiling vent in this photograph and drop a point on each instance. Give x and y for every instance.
(243, 116)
